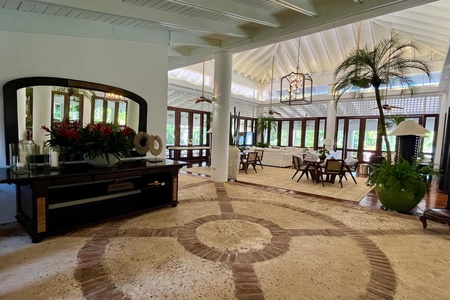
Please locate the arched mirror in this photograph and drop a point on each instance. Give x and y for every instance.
(32, 102)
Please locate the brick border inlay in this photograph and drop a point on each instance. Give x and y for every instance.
(95, 281)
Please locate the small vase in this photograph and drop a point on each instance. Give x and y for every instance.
(101, 161)
(234, 155)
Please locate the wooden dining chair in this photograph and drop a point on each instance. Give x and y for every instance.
(299, 166)
(333, 168)
(259, 157)
(350, 166)
(250, 160)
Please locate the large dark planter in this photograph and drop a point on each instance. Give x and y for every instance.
(398, 200)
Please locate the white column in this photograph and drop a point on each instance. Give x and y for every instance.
(221, 116)
(444, 105)
(331, 121)
(42, 110)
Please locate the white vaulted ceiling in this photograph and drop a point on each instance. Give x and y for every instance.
(253, 30)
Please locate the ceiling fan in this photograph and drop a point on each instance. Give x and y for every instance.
(271, 111)
(389, 107)
(202, 98)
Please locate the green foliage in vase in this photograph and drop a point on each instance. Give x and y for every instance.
(401, 176)
(323, 151)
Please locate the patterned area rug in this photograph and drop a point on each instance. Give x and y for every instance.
(281, 178)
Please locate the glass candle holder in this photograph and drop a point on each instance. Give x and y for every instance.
(53, 157)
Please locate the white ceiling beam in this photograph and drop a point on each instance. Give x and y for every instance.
(301, 6)
(11, 20)
(306, 65)
(183, 39)
(178, 51)
(150, 15)
(415, 26)
(232, 9)
(340, 43)
(324, 46)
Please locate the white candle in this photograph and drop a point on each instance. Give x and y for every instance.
(53, 159)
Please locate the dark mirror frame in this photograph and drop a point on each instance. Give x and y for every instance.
(10, 101)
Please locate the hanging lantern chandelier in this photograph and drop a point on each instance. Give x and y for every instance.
(296, 87)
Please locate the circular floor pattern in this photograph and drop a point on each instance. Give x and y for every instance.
(271, 241)
(234, 235)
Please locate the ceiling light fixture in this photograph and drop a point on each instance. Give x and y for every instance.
(296, 87)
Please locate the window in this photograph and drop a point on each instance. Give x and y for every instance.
(184, 128)
(67, 106)
(321, 136)
(284, 133)
(370, 134)
(170, 128)
(196, 129)
(274, 135)
(109, 110)
(340, 134)
(309, 134)
(297, 134)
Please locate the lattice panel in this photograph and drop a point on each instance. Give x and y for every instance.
(411, 106)
(316, 109)
(186, 99)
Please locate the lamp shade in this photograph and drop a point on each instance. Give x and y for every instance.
(409, 127)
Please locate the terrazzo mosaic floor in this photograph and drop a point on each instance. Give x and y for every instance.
(233, 241)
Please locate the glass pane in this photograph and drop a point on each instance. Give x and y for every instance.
(184, 129)
(205, 129)
(111, 111)
(274, 135)
(340, 134)
(352, 154)
(367, 155)
(196, 130)
(309, 133)
(242, 126)
(297, 134)
(122, 116)
(249, 125)
(428, 141)
(391, 143)
(170, 128)
(353, 134)
(321, 131)
(98, 110)
(284, 133)
(370, 135)
(74, 108)
(58, 108)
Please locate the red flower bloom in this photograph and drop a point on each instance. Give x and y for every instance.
(94, 139)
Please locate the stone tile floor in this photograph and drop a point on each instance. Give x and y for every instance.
(233, 241)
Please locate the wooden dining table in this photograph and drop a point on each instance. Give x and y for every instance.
(313, 167)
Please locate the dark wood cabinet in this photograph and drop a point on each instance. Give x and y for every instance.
(55, 201)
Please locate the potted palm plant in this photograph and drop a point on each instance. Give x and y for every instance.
(263, 124)
(383, 66)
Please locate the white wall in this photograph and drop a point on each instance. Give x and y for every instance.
(134, 66)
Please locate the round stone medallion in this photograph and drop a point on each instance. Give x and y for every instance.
(234, 235)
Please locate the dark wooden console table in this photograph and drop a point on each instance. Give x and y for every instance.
(77, 195)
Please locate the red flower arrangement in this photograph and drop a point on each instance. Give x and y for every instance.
(92, 140)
